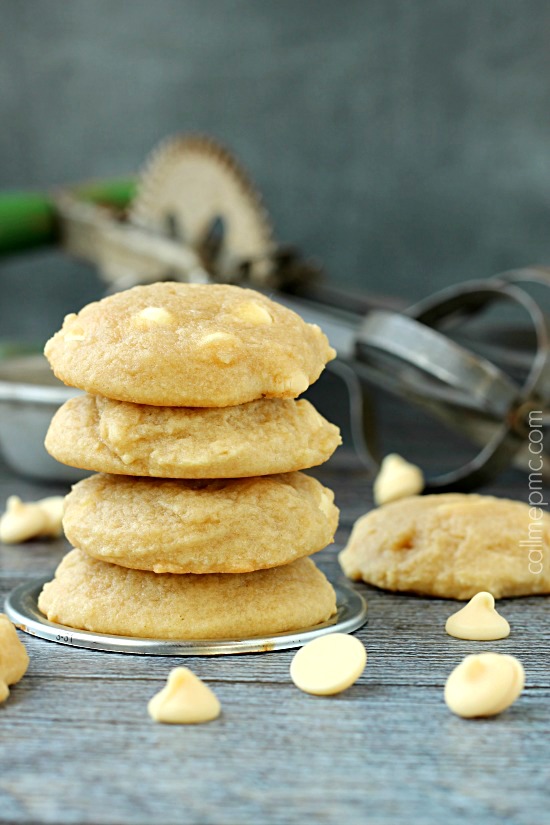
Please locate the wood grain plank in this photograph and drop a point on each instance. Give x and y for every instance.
(81, 753)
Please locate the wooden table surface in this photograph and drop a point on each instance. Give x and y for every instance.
(77, 745)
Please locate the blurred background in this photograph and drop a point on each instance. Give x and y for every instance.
(403, 144)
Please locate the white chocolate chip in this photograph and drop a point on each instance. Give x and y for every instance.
(14, 659)
(484, 684)
(478, 621)
(318, 332)
(153, 317)
(215, 338)
(329, 664)
(326, 505)
(23, 521)
(396, 479)
(253, 313)
(185, 700)
(299, 383)
(223, 346)
(53, 507)
(72, 328)
(293, 385)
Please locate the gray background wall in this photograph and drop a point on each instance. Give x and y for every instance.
(405, 143)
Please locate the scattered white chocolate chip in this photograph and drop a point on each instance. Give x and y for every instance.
(22, 521)
(53, 507)
(27, 520)
(253, 313)
(153, 317)
(14, 659)
(185, 700)
(484, 684)
(478, 621)
(329, 664)
(397, 478)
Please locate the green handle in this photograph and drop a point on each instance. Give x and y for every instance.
(29, 219)
(26, 220)
(114, 193)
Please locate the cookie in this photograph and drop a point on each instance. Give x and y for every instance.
(104, 598)
(262, 437)
(452, 546)
(188, 345)
(219, 526)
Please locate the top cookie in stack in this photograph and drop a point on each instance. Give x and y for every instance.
(188, 345)
(190, 396)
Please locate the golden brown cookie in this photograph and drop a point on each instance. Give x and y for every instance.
(220, 526)
(91, 595)
(452, 546)
(188, 345)
(262, 437)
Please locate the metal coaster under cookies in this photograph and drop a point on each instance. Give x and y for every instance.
(22, 608)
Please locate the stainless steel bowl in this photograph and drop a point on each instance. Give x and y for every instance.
(29, 396)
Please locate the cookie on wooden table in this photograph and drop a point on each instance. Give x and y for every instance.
(104, 598)
(452, 546)
(262, 437)
(192, 345)
(216, 526)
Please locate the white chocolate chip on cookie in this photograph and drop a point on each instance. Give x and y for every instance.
(329, 664)
(295, 384)
(253, 313)
(222, 346)
(396, 479)
(72, 328)
(478, 621)
(185, 700)
(14, 659)
(153, 317)
(326, 503)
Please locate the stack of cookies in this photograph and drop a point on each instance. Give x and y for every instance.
(198, 523)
